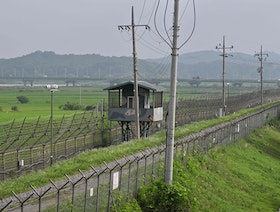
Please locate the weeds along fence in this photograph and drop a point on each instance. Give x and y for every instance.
(205, 108)
(103, 188)
(28, 144)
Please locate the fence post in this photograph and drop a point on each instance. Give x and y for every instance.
(102, 120)
(58, 192)
(73, 183)
(43, 151)
(110, 194)
(3, 165)
(22, 201)
(97, 187)
(129, 175)
(40, 195)
(138, 158)
(6, 205)
(31, 157)
(121, 171)
(86, 185)
(147, 154)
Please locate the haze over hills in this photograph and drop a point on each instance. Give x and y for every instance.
(202, 64)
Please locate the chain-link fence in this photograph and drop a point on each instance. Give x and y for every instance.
(102, 188)
(29, 145)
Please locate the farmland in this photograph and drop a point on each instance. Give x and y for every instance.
(40, 101)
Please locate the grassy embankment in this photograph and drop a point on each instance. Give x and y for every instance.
(96, 157)
(241, 177)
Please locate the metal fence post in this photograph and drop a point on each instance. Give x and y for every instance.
(22, 200)
(40, 195)
(58, 192)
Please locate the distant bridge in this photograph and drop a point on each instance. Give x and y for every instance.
(74, 81)
(68, 81)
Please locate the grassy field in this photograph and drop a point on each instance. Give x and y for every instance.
(40, 100)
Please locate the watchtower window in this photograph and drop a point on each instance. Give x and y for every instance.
(158, 99)
(114, 98)
(146, 101)
(130, 102)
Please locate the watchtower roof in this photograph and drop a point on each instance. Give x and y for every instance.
(141, 84)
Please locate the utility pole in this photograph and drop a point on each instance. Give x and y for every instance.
(224, 55)
(169, 154)
(260, 70)
(52, 88)
(136, 96)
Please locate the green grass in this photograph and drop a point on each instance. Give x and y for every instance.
(243, 177)
(96, 157)
(198, 126)
(83, 162)
(40, 101)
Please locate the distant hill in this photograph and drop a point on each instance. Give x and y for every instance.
(208, 65)
(203, 64)
(49, 64)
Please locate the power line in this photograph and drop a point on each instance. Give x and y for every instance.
(149, 20)
(164, 21)
(167, 31)
(155, 23)
(142, 11)
(194, 25)
(185, 9)
(151, 45)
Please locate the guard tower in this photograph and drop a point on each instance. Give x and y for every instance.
(121, 106)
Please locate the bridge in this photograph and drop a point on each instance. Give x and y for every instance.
(30, 81)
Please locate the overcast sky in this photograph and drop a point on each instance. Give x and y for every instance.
(91, 26)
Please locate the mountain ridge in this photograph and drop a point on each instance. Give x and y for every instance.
(202, 64)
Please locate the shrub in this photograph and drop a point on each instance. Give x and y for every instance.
(162, 197)
(89, 107)
(70, 106)
(128, 206)
(179, 197)
(22, 99)
(14, 108)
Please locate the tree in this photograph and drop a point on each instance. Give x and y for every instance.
(22, 99)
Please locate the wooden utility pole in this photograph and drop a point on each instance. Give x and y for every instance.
(135, 75)
(260, 70)
(224, 55)
(169, 154)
